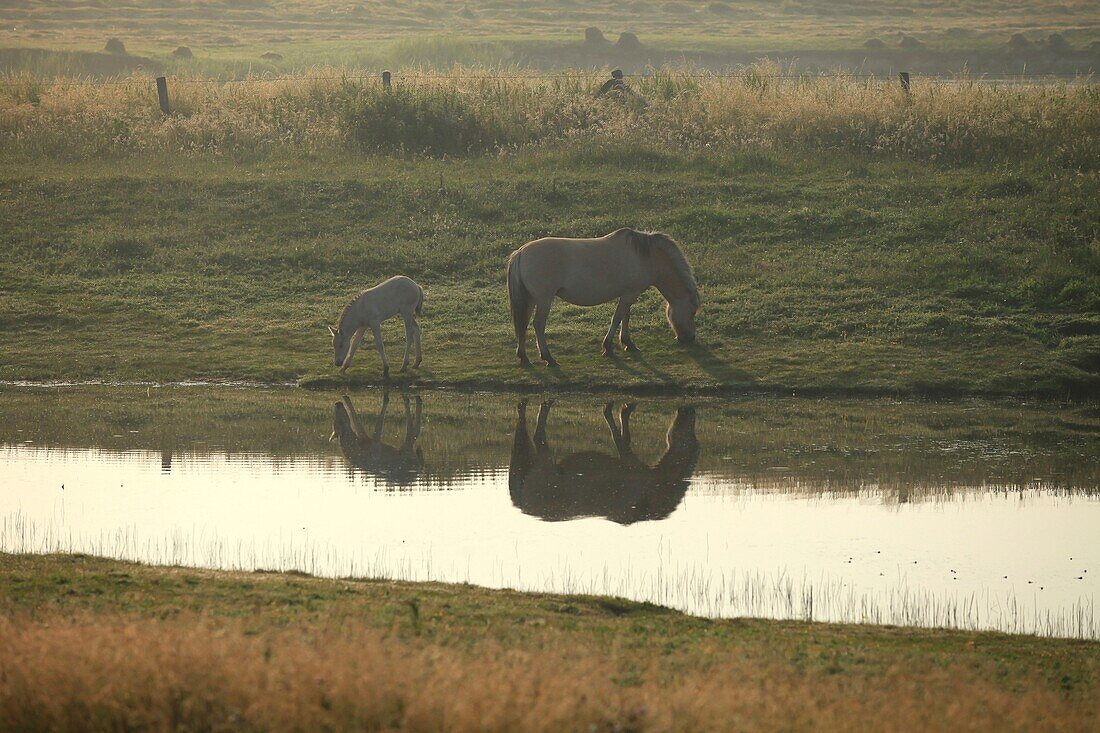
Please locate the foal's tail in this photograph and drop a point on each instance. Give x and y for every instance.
(420, 300)
(519, 298)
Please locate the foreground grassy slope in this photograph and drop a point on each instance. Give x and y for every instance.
(824, 272)
(94, 643)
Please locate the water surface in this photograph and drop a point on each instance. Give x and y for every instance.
(967, 514)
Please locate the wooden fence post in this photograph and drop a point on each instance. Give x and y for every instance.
(386, 79)
(904, 77)
(162, 95)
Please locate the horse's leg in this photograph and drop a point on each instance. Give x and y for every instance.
(377, 328)
(419, 349)
(410, 326)
(521, 335)
(624, 334)
(622, 311)
(542, 312)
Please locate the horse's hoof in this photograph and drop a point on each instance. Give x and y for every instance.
(551, 362)
(417, 364)
(605, 351)
(524, 362)
(631, 348)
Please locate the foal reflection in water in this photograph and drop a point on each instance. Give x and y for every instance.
(592, 484)
(397, 467)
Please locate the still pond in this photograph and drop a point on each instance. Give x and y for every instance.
(965, 514)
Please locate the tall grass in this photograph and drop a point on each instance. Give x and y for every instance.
(104, 673)
(327, 112)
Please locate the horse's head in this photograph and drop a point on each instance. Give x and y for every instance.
(676, 282)
(341, 343)
(681, 317)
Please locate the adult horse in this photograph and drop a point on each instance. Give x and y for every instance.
(622, 265)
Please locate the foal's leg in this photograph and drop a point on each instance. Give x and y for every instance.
(542, 312)
(410, 330)
(622, 312)
(377, 328)
(356, 339)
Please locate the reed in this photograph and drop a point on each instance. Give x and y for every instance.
(325, 111)
(695, 589)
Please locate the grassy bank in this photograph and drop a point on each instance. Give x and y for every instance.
(97, 643)
(817, 272)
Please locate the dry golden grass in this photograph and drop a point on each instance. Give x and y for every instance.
(324, 112)
(92, 644)
(117, 673)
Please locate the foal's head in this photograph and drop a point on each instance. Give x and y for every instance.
(341, 342)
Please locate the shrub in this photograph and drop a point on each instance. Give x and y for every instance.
(628, 42)
(594, 36)
(183, 52)
(114, 45)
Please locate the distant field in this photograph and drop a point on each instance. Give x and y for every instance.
(232, 39)
(841, 274)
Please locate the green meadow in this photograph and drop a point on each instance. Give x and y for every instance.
(840, 274)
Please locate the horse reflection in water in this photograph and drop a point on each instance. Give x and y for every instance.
(619, 487)
(396, 466)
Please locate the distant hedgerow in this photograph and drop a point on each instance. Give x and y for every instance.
(760, 108)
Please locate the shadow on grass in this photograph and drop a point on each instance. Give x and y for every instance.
(717, 368)
(636, 363)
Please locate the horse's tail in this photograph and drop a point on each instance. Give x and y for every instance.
(519, 298)
(419, 300)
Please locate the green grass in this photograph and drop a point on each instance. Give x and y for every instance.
(817, 273)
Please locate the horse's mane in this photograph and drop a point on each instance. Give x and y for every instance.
(644, 242)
